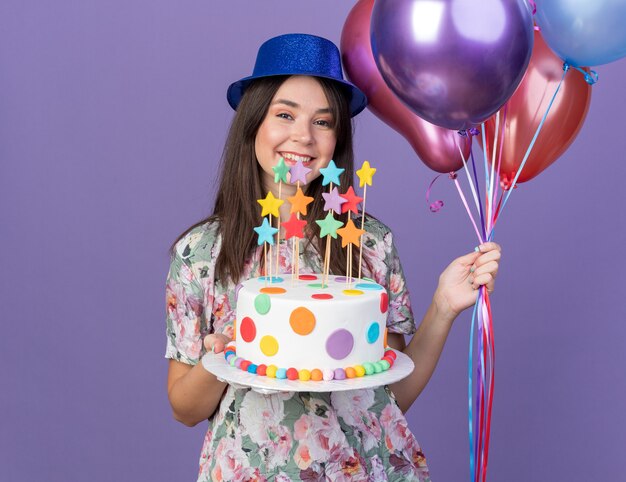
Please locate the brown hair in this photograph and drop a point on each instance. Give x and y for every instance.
(240, 183)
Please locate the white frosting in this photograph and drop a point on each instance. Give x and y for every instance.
(358, 317)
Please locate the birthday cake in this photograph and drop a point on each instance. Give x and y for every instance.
(311, 327)
(306, 329)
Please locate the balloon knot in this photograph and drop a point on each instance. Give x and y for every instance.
(462, 133)
(506, 180)
(452, 175)
(474, 131)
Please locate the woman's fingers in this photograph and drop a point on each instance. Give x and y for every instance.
(494, 255)
(490, 267)
(215, 342)
(489, 246)
(483, 279)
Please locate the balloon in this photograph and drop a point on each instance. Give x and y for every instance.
(437, 147)
(584, 32)
(453, 62)
(526, 108)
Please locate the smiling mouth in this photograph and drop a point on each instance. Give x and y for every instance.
(292, 159)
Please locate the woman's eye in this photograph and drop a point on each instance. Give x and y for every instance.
(284, 115)
(323, 123)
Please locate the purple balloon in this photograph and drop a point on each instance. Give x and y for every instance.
(453, 62)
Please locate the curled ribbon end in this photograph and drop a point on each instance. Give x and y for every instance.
(591, 77)
(436, 206)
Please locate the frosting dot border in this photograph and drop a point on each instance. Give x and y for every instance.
(311, 375)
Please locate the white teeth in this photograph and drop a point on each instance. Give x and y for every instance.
(296, 158)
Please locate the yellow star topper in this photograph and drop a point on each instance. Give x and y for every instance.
(365, 174)
(350, 234)
(270, 205)
(299, 202)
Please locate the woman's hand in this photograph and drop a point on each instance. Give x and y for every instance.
(459, 282)
(216, 342)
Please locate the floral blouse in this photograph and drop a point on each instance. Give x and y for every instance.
(358, 435)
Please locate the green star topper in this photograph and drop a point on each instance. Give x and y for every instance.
(329, 225)
(280, 171)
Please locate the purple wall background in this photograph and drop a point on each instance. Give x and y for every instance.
(112, 119)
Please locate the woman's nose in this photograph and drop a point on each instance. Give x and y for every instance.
(302, 132)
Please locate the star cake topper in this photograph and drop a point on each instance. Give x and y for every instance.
(365, 174)
(298, 173)
(331, 174)
(266, 233)
(352, 201)
(294, 227)
(270, 205)
(329, 225)
(280, 171)
(299, 202)
(333, 200)
(350, 234)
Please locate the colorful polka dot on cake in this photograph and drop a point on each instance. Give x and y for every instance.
(269, 345)
(322, 296)
(262, 304)
(247, 330)
(368, 286)
(339, 344)
(302, 321)
(273, 290)
(384, 302)
(373, 332)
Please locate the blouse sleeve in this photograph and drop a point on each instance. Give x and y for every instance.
(185, 312)
(386, 270)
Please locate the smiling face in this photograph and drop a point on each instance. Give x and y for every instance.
(299, 126)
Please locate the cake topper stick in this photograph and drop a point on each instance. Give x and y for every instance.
(365, 178)
(350, 235)
(270, 250)
(266, 236)
(328, 228)
(298, 175)
(270, 206)
(280, 176)
(333, 202)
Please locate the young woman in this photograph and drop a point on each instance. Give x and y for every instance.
(297, 106)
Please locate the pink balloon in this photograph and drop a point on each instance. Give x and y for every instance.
(436, 146)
